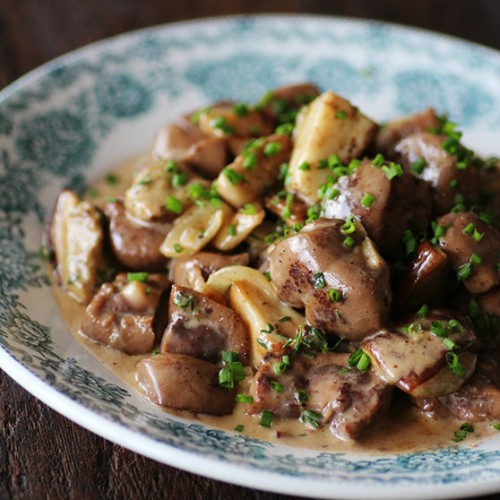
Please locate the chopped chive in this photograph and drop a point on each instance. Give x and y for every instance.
(319, 280)
(378, 161)
(170, 166)
(276, 386)
(233, 176)
(285, 129)
(360, 360)
(178, 248)
(241, 109)
(335, 295)
(266, 418)
(283, 319)
(229, 356)
(418, 166)
(423, 311)
(249, 160)
(449, 344)
(239, 428)
(183, 300)
(341, 114)
(438, 328)
(475, 259)
(464, 272)
(244, 398)
(367, 200)
(463, 431)
(454, 364)
(272, 148)
(496, 426)
(231, 230)
(283, 365)
(249, 209)
(305, 166)
(221, 124)
(311, 418)
(301, 396)
(173, 204)
(469, 229)
(393, 170)
(348, 242)
(141, 277)
(111, 179)
(179, 179)
(477, 235)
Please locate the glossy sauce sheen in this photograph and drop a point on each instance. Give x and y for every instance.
(404, 429)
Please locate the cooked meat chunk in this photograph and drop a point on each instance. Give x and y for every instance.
(415, 354)
(207, 157)
(424, 280)
(350, 401)
(184, 383)
(200, 327)
(392, 132)
(127, 315)
(373, 198)
(278, 393)
(473, 402)
(439, 168)
(334, 275)
(135, 244)
(175, 139)
(473, 248)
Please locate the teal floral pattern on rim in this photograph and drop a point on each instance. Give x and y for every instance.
(55, 127)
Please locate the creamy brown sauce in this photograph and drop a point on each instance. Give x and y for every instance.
(404, 429)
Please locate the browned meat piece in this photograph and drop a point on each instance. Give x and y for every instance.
(474, 402)
(208, 156)
(184, 383)
(424, 280)
(413, 356)
(175, 139)
(370, 196)
(278, 393)
(392, 132)
(127, 315)
(281, 101)
(200, 327)
(490, 302)
(439, 169)
(350, 401)
(473, 248)
(136, 245)
(334, 275)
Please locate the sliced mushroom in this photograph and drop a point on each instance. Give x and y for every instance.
(473, 249)
(375, 197)
(129, 314)
(239, 227)
(195, 228)
(255, 171)
(184, 383)
(269, 321)
(329, 125)
(135, 243)
(334, 276)
(76, 236)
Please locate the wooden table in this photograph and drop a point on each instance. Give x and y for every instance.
(42, 454)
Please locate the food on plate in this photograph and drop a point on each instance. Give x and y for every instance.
(294, 259)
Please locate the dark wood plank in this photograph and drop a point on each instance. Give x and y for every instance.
(42, 454)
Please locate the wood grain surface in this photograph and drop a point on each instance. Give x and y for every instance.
(42, 454)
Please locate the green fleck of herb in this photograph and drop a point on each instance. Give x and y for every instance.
(173, 204)
(341, 114)
(155, 352)
(473, 309)
(410, 242)
(360, 360)
(183, 300)
(272, 148)
(335, 295)
(233, 176)
(267, 275)
(276, 386)
(311, 418)
(496, 426)
(414, 327)
(475, 259)
(367, 200)
(241, 109)
(249, 160)
(305, 166)
(469, 229)
(449, 344)
(231, 230)
(179, 179)
(249, 209)
(285, 129)
(141, 277)
(239, 428)
(464, 272)
(348, 242)
(229, 356)
(92, 193)
(178, 248)
(244, 398)
(418, 166)
(283, 319)
(454, 364)
(319, 280)
(266, 418)
(423, 311)
(282, 366)
(477, 235)
(45, 253)
(378, 161)
(453, 184)
(111, 179)
(438, 328)
(301, 396)
(393, 170)
(220, 123)
(463, 431)
(283, 171)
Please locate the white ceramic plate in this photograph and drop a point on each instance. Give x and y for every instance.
(67, 122)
